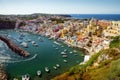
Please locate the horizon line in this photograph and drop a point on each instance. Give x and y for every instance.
(64, 13)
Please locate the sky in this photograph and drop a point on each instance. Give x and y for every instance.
(60, 6)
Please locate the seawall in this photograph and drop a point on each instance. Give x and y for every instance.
(14, 47)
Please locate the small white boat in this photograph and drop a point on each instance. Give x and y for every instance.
(47, 69)
(65, 50)
(56, 43)
(39, 73)
(24, 44)
(15, 79)
(65, 61)
(63, 53)
(71, 52)
(57, 65)
(26, 77)
(33, 42)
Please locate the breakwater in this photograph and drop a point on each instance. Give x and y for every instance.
(14, 47)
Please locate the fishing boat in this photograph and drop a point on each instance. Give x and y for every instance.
(47, 69)
(64, 56)
(39, 73)
(26, 77)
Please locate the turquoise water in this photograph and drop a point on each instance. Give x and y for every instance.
(45, 55)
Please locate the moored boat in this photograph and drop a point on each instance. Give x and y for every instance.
(57, 65)
(65, 61)
(24, 44)
(64, 56)
(63, 53)
(26, 77)
(71, 52)
(39, 73)
(47, 69)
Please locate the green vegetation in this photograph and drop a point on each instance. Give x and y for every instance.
(115, 42)
(57, 20)
(108, 67)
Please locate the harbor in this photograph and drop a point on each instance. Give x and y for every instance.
(46, 60)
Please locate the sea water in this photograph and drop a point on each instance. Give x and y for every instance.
(47, 54)
(97, 16)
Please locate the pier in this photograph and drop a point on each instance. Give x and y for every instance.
(14, 47)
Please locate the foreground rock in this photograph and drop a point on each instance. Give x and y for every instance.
(14, 47)
(3, 75)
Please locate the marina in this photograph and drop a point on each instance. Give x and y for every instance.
(44, 61)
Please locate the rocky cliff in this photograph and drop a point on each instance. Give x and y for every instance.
(7, 24)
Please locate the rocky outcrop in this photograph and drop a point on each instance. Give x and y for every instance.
(14, 47)
(3, 75)
(7, 24)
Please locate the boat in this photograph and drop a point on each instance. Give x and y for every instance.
(24, 44)
(29, 40)
(75, 54)
(33, 42)
(47, 69)
(71, 52)
(56, 48)
(40, 39)
(35, 45)
(39, 73)
(65, 50)
(57, 43)
(63, 53)
(64, 56)
(65, 61)
(15, 79)
(74, 51)
(57, 65)
(26, 77)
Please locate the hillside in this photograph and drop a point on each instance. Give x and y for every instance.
(104, 65)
